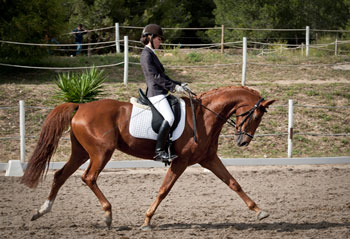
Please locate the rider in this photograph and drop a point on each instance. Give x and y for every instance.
(158, 87)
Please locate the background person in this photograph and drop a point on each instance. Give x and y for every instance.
(50, 39)
(79, 32)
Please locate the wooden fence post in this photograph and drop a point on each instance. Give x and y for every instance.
(222, 38)
(302, 49)
(336, 47)
(89, 40)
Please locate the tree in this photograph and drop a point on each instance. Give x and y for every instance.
(30, 21)
(166, 13)
(289, 14)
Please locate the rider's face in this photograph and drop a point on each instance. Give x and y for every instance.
(157, 41)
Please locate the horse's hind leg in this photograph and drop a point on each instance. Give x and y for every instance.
(77, 158)
(97, 163)
(174, 172)
(215, 165)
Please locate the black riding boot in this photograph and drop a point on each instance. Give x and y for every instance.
(161, 152)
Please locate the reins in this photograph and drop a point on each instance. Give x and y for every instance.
(193, 115)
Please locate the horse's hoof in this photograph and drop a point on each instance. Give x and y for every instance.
(262, 215)
(35, 216)
(146, 228)
(108, 220)
(108, 223)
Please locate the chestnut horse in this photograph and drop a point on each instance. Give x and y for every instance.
(100, 127)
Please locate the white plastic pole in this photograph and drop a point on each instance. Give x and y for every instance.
(117, 41)
(307, 40)
(244, 65)
(22, 130)
(290, 128)
(126, 60)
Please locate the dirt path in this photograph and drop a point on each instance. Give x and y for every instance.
(304, 202)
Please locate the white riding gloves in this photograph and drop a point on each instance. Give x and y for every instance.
(178, 88)
(182, 88)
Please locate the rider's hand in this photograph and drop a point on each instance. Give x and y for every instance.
(185, 87)
(182, 88)
(179, 88)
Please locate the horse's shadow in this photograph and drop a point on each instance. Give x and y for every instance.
(277, 226)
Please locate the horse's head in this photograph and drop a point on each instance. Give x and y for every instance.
(246, 103)
(248, 118)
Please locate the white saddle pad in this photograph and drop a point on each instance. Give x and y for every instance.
(141, 120)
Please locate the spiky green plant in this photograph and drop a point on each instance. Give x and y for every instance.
(80, 87)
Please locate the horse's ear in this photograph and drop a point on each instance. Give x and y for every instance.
(266, 103)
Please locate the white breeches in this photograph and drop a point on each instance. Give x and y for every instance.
(162, 105)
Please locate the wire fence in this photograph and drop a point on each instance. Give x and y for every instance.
(236, 45)
(338, 47)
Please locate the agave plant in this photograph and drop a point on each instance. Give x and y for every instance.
(80, 87)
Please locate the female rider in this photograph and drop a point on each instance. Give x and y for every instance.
(158, 87)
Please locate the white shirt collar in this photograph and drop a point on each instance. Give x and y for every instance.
(151, 49)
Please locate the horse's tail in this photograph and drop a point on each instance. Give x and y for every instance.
(56, 122)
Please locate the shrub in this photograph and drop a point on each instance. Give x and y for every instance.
(80, 87)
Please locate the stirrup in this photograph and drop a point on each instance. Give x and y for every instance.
(164, 157)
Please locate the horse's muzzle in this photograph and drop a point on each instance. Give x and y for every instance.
(243, 140)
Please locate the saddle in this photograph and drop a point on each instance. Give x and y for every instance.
(157, 118)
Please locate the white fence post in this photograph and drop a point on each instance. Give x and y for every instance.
(307, 40)
(22, 130)
(244, 65)
(290, 128)
(117, 41)
(126, 60)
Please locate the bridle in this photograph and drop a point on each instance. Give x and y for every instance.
(248, 116)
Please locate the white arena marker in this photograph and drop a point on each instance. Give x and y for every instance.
(14, 168)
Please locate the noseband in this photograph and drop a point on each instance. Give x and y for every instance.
(248, 115)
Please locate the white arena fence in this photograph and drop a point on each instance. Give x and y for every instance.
(17, 130)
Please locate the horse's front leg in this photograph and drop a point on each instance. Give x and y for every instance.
(216, 166)
(176, 169)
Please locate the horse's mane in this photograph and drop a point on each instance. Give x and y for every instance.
(227, 88)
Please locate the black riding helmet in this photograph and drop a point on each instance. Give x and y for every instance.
(152, 30)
